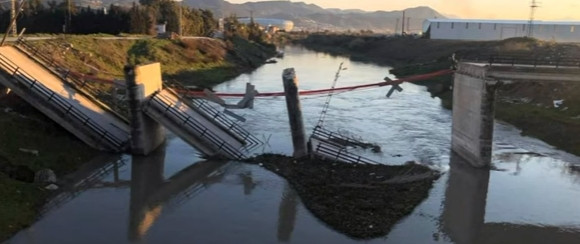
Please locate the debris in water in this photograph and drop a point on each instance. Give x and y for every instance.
(362, 201)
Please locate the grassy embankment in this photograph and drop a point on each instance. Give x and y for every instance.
(198, 62)
(22, 127)
(528, 106)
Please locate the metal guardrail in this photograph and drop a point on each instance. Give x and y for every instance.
(203, 107)
(526, 59)
(67, 109)
(328, 146)
(341, 155)
(202, 131)
(223, 120)
(328, 137)
(80, 84)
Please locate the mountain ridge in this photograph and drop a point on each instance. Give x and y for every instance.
(313, 17)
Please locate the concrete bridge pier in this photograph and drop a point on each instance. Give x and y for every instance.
(474, 101)
(473, 114)
(142, 81)
(294, 112)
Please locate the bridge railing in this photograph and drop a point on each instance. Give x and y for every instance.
(167, 106)
(340, 154)
(62, 105)
(333, 137)
(525, 59)
(80, 84)
(329, 145)
(206, 110)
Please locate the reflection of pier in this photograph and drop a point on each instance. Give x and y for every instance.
(463, 217)
(287, 214)
(149, 190)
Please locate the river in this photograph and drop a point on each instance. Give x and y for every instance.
(174, 196)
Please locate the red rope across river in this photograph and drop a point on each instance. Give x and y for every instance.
(338, 89)
(307, 92)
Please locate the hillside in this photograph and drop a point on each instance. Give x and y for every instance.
(308, 17)
(313, 17)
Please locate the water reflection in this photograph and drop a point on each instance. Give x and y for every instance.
(463, 219)
(465, 201)
(248, 182)
(287, 214)
(149, 189)
(89, 176)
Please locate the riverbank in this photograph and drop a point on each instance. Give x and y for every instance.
(527, 106)
(201, 61)
(29, 141)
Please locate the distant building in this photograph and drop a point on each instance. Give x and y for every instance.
(281, 24)
(160, 29)
(488, 30)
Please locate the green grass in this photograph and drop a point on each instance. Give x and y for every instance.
(58, 149)
(199, 62)
(548, 124)
(19, 206)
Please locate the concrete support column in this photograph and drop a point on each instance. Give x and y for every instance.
(142, 82)
(473, 115)
(249, 96)
(294, 112)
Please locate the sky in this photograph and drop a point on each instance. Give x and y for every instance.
(473, 9)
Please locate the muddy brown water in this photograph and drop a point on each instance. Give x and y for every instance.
(175, 197)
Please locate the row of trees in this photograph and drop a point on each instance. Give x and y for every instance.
(53, 17)
(250, 31)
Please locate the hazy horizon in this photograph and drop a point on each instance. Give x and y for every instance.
(490, 9)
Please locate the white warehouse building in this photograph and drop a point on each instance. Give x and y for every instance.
(489, 30)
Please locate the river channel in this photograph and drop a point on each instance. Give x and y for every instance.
(174, 196)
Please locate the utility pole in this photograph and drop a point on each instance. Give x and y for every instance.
(181, 18)
(533, 7)
(403, 26)
(68, 17)
(12, 22)
(13, 28)
(408, 24)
